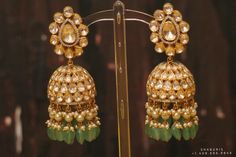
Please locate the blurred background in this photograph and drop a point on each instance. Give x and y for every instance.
(27, 60)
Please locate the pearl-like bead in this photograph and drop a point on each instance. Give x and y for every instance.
(89, 116)
(52, 114)
(186, 115)
(63, 114)
(58, 117)
(176, 116)
(72, 128)
(151, 123)
(167, 126)
(190, 124)
(76, 114)
(157, 109)
(179, 111)
(165, 115)
(66, 128)
(80, 118)
(155, 125)
(82, 128)
(193, 112)
(83, 113)
(149, 112)
(68, 118)
(155, 115)
(187, 110)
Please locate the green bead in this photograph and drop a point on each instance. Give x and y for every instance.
(69, 137)
(63, 124)
(147, 130)
(80, 136)
(193, 131)
(176, 132)
(90, 135)
(181, 120)
(74, 122)
(152, 132)
(165, 134)
(169, 121)
(51, 133)
(160, 120)
(196, 128)
(97, 131)
(186, 133)
(59, 135)
(155, 133)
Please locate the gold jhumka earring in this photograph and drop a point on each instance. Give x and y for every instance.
(171, 108)
(71, 89)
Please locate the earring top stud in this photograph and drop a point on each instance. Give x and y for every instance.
(169, 31)
(68, 33)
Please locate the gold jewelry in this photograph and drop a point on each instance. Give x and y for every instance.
(171, 108)
(71, 89)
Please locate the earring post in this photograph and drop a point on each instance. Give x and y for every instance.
(119, 16)
(122, 94)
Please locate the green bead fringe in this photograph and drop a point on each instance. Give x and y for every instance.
(166, 134)
(69, 136)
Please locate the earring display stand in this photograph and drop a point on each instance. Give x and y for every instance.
(119, 15)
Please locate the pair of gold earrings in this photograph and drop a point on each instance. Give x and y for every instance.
(171, 109)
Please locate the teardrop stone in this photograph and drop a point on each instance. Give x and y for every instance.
(186, 133)
(59, 135)
(148, 131)
(68, 34)
(193, 131)
(165, 134)
(155, 133)
(51, 133)
(169, 31)
(97, 132)
(80, 136)
(69, 137)
(91, 135)
(152, 132)
(176, 132)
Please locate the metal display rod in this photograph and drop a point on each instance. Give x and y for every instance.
(119, 15)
